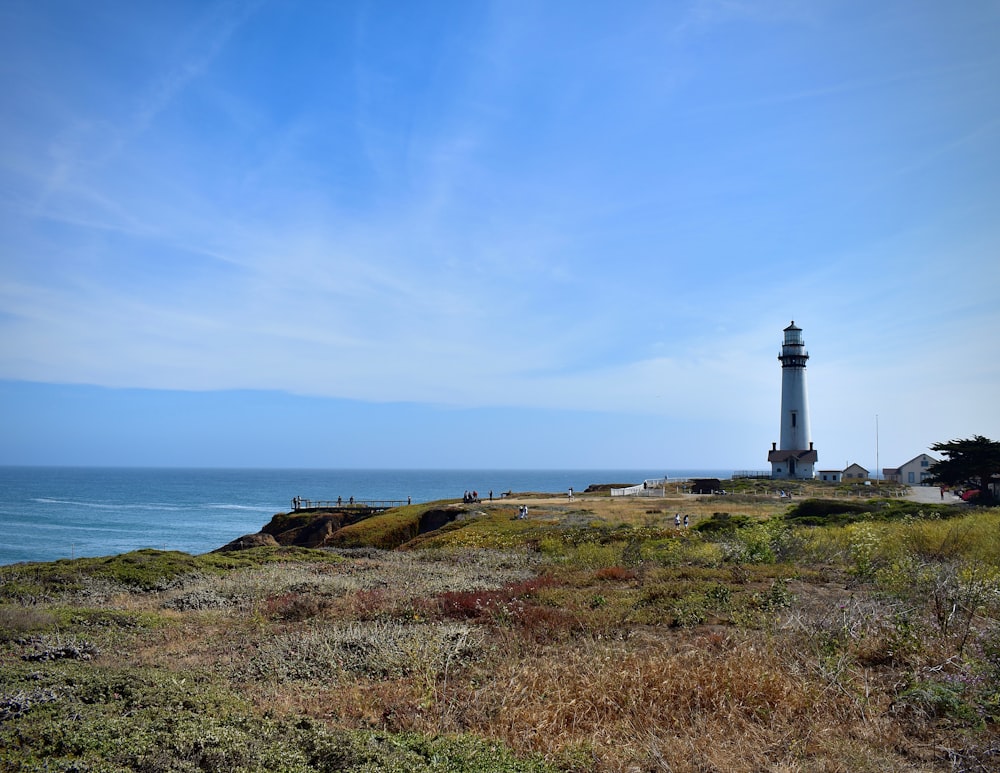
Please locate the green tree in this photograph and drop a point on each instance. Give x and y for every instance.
(972, 462)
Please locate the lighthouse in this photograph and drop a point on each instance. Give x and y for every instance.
(794, 456)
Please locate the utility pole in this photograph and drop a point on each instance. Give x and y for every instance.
(876, 449)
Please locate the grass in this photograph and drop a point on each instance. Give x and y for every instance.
(592, 636)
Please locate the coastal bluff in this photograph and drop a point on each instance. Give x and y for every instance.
(318, 528)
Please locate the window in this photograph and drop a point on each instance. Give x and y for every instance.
(923, 462)
(793, 418)
(910, 477)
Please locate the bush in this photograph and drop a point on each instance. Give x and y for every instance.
(763, 543)
(16, 621)
(822, 512)
(829, 512)
(934, 700)
(415, 753)
(615, 573)
(724, 523)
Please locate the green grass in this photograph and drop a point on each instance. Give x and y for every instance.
(387, 531)
(146, 570)
(76, 717)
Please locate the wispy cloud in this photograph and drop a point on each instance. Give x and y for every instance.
(486, 214)
(88, 145)
(704, 15)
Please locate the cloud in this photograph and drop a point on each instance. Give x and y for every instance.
(476, 216)
(69, 177)
(705, 15)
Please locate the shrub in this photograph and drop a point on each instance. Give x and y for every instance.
(294, 606)
(762, 543)
(15, 621)
(820, 512)
(197, 599)
(934, 700)
(415, 753)
(864, 543)
(688, 549)
(615, 573)
(723, 523)
(495, 605)
(45, 648)
(378, 649)
(689, 611)
(829, 512)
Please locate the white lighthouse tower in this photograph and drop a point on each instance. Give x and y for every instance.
(794, 456)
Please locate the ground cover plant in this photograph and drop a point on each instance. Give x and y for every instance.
(592, 636)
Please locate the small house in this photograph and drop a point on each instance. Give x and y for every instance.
(913, 473)
(830, 476)
(855, 472)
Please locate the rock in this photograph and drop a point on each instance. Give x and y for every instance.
(436, 518)
(312, 530)
(247, 541)
(314, 534)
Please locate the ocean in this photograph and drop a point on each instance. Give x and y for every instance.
(50, 513)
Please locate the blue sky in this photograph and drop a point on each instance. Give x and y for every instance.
(495, 234)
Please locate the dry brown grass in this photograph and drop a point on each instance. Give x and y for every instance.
(678, 702)
(535, 674)
(758, 501)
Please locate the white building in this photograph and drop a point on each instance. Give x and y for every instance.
(913, 473)
(795, 457)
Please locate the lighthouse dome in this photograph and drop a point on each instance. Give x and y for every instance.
(793, 335)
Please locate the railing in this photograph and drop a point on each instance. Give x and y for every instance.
(637, 491)
(654, 487)
(752, 474)
(347, 504)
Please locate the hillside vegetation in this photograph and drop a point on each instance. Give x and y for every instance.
(831, 633)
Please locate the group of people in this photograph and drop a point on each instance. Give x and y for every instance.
(522, 512)
(677, 520)
(471, 497)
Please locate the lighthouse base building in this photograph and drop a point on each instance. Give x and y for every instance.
(792, 464)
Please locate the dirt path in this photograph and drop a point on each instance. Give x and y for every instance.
(931, 494)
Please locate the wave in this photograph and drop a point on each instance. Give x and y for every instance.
(153, 505)
(114, 505)
(231, 506)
